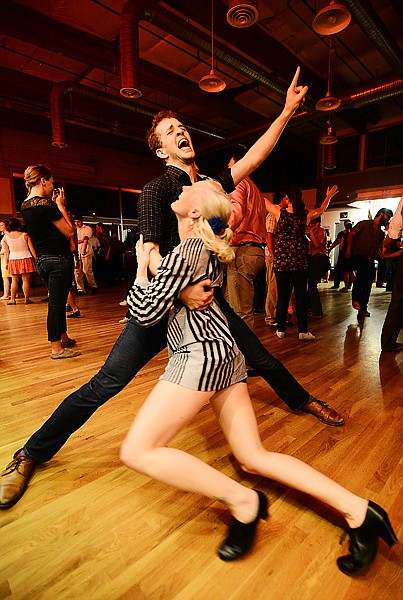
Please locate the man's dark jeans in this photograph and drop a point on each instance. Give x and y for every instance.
(394, 317)
(57, 272)
(286, 281)
(319, 265)
(134, 348)
(365, 274)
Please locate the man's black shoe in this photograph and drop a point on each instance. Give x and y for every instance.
(395, 348)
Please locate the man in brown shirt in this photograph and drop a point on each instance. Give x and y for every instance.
(363, 246)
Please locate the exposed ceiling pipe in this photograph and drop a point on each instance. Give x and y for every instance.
(135, 11)
(367, 18)
(105, 55)
(164, 20)
(257, 42)
(382, 88)
(223, 55)
(131, 15)
(62, 89)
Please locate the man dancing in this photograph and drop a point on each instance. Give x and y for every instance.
(171, 142)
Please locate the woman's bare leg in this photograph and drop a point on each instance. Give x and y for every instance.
(6, 288)
(166, 411)
(26, 286)
(236, 416)
(71, 299)
(14, 286)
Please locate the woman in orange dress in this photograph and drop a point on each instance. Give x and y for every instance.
(19, 257)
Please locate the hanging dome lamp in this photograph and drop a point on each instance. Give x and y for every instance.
(331, 19)
(212, 82)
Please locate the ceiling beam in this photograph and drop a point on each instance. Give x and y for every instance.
(89, 49)
(57, 37)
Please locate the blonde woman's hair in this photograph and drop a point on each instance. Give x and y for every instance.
(33, 175)
(214, 204)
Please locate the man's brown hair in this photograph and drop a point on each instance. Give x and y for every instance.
(153, 138)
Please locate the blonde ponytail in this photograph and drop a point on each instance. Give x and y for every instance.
(215, 206)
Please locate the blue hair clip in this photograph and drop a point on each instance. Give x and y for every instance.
(217, 224)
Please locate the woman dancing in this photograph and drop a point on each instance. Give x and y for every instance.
(206, 365)
(290, 256)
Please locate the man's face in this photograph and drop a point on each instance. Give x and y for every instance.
(176, 143)
(383, 219)
(78, 223)
(283, 202)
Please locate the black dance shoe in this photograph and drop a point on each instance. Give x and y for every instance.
(364, 540)
(241, 535)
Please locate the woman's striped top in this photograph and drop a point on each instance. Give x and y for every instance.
(202, 352)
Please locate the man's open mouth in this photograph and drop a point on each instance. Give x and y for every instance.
(183, 144)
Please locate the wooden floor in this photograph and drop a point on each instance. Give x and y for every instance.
(88, 528)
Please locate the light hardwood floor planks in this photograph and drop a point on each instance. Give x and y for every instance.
(88, 528)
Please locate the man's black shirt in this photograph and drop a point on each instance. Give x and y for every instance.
(157, 220)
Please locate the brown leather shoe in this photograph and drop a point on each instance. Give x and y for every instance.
(325, 413)
(14, 479)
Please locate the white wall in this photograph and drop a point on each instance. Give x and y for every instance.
(356, 211)
(331, 218)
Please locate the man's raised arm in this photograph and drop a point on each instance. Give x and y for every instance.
(265, 144)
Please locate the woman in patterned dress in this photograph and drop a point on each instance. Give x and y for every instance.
(290, 257)
(205, 365)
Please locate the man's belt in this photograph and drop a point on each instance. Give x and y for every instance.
(254, 244)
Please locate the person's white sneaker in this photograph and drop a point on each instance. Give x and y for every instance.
(307, 337)
(280, 334)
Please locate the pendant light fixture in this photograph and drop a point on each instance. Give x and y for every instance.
(331, 19)
(329, 102)
(212, 82)
(330, 137)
